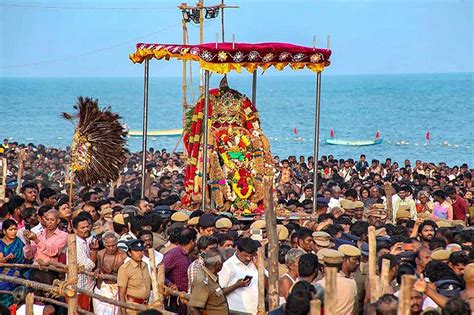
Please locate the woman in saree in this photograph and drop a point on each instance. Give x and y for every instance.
(11, 251)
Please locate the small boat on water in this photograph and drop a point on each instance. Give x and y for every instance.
(353, 142)
(156, 133)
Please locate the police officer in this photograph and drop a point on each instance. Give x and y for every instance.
(207, 296)
(133, 280)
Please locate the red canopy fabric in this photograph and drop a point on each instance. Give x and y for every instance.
(225, 57)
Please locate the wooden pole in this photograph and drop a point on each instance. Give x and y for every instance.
(72, 272)
(71, 187)
(201, 40)
(154, 277)
(19, 175)
(30, 301)
(161, 285)
(315, 307)
(372, 264)
(384, 276)
(4, 170)
(273, 245)
(330, 292)
(185, 87)
(261, 281)
(35, 285)
(404, 298)
(388, 188)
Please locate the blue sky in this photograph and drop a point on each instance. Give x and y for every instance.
(367, 37)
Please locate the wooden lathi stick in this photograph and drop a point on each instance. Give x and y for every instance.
(372, 265)
(72, 272)
(19, 175)
(315, 307)
(404, 297)
(161, 285)
(273, 245)
(154, 277)
(29, 301)
(384, 276)
(261, 281)
(388, 188)
(330, 291)
(4, 170)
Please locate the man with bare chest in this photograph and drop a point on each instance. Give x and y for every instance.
(109, 261)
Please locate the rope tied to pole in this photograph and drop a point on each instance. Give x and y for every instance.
(62, 288)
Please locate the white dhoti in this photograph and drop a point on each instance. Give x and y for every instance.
(110, 291)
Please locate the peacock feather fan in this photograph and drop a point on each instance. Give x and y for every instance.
(99, 150)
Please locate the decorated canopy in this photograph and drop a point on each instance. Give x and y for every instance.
(225, 57)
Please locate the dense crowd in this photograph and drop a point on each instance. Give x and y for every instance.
(211, 257)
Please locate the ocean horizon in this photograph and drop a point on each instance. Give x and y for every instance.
(401, 107)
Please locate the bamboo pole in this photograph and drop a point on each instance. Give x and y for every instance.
(388, 188)
(372, 265)
(154, 277)
(273, 245)
(72, 272)
(3, 188)
(19, 175)
(71, 187)
(69, 291)
(384, 276)
(330, 292)
(61, 268)
(201, 40)
(161, 285)
(261, 281)
(404, 298)
(29, 301)
(51, 301)
(35, 285)
(315, 307)
(185, 87)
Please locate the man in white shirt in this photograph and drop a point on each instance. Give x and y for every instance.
(241, 266)
(402, 200)
(87, 248)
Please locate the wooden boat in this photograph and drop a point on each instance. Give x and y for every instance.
(156, 133)
(353, 142)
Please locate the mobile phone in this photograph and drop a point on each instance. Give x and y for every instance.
(248, 278)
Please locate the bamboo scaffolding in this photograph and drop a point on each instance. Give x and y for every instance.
(29, 301)
(388, 188)
(72, 274)
(21, 159)
(3, 187)
(384, 276)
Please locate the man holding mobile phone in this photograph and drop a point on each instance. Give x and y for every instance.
(239, 278)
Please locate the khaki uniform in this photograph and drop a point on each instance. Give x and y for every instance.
(207, 295)
(136, 279)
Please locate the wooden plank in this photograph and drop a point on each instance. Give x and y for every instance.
(273, 245)
(72, 273)
(154, 276)
(404, 299)
(29, 301)
(261, 281)
(3, 187)
(384, 276)
(330, 292)
(372, 265)
(315, 307)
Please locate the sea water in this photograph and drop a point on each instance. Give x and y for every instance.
(402, 108)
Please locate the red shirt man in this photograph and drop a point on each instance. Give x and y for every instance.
(460, 206)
